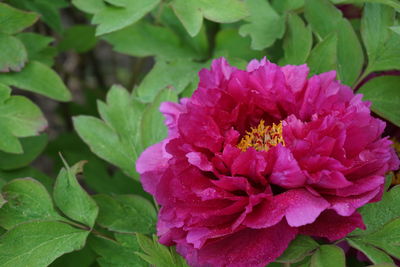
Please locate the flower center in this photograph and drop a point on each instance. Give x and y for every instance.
(262, 137)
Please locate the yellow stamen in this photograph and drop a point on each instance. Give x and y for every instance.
(262, 137)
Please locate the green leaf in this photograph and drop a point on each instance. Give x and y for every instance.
(9, 143)
(105, 142)
(33, 147)
(2, 202)
(191, 12)
(21, 117)
(31, 172)
(326, 19)
(80, 38)
(287, 5)
(298, 249)
(396, 29)
(375, 215)
(199, 43)
(350, 53)
(144, 39)
(39, 78)
(82, 258)
(230, 43)
(112, 18)
(328, 256)
(386, 238)
(375, 255)
(70, 197)
(174, 75)
(13, 20)
(13, 54)
(37, 244)
(89, 6)
(382, 44)
(384, 93)
(323, 16)
(27, 201)
(117, 253)
(126, 213)
(5, 92)
(153, 129)
(38, 47)
(265, 25)
(157, 254)
(116, 140)
(49, 11)
(298, 41)
(324, 56)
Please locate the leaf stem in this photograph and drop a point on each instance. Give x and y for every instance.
(365, 73)
(286, 264)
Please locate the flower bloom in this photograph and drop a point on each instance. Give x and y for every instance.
(256, 157)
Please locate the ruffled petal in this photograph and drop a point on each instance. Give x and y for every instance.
(333, 226)
(246, 248)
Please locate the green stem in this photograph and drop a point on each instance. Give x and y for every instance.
(286, 264)
(83, 227)
(365, 73)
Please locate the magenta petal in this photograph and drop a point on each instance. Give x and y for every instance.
(246, 248)
(296, 77)
(268, 213)
(171, 112)
(346, 206)
(302, 206)
(153, 158)
(286, 171)
(199, 160)
(333, 226)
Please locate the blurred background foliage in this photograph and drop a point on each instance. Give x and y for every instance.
(85, 78)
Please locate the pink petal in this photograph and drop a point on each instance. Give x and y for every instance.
(333, 226)
(246, 248)
(286, 172)
(302, 206)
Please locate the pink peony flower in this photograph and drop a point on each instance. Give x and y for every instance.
(256, 157)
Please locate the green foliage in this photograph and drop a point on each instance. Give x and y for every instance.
(298, 249)
(27, 201)
(46, 240)
(38, 47)
(119, 252)
(157, 254)
(152, 127)
(382, 220)
(298, 41)
(325, 19)
(328, 256)
(144, 39)
(191, 12)
(70, 197)
(80, 38)
(39, 78)
(175, 75)
(116, 139)
(14, 20)
(382, 44)
(384, 93)
(14, 55)
(324, 55)
(126, 213)
(264, 24)
(32, 146)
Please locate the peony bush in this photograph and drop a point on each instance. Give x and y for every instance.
(201, 133)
